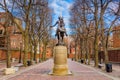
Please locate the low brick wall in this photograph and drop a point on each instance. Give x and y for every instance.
(2, 54)
(114, 55)
(16, 54)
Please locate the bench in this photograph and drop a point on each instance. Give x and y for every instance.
(100, 65)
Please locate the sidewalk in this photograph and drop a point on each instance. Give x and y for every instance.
(40, 72)
(115, 69)
(3, 66)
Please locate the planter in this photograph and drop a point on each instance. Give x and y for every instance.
(9, 71)
(108, 67)
(28, 63)
(82, 61)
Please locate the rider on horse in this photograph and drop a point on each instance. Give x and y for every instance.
(60, 27)
(60, 31)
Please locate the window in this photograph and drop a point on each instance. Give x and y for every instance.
(2, 20)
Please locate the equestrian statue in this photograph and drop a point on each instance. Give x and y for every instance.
(61, 31)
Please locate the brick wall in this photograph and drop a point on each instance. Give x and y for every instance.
(114, 55)
(16, 54)
(13, 31)
(2, 54)
(116, 37)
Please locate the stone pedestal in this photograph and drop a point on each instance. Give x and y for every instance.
(60, 61)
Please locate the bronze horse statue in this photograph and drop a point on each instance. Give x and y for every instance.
(60, 37)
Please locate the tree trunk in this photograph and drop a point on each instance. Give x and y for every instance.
(8, 53)
(75, 52)
(106, 55)
(88, 58)
(84, 51)
(35, 53)
(39, 52)
(88, 55)
(25, 50)
(106, 49)
(87, 52)
(81, 50)
(96, 51)
(31, 54)
(44, 53)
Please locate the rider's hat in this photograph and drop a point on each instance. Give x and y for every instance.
(60, 17)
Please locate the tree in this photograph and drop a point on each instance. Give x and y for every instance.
(90, 17)
(82, 22)
(25, 13)
(40, 22)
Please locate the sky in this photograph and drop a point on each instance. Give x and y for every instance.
(61, 8)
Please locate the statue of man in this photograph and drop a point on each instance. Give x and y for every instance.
(61, 26)
(60, 30)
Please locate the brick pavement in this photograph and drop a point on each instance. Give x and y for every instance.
(40, 72)
(115, 69)
(3, 65)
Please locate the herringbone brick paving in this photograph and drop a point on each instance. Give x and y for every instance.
(41, 70)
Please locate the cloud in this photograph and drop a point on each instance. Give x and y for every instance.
(8, 4)
(61, 8)
(114, 6)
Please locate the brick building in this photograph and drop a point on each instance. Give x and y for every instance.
(114, 46)
(13, 32)
(116, 37)
(15, 37)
